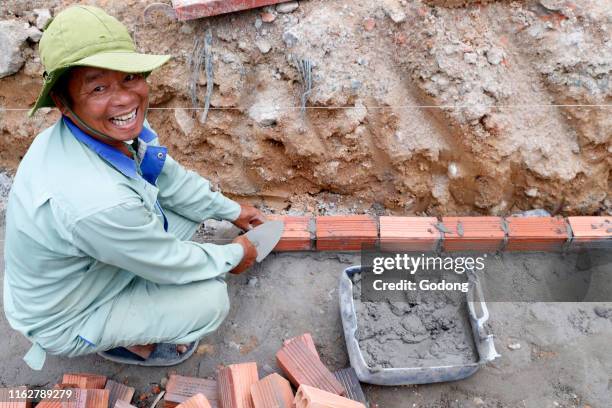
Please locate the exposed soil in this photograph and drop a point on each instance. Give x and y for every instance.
(490, 142)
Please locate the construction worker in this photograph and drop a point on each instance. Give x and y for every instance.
(97, 252)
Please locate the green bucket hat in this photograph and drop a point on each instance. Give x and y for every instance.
(87, 36)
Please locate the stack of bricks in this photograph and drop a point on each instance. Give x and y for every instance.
(450, 234)
(237, 386)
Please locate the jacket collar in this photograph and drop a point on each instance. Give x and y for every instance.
(112, 155)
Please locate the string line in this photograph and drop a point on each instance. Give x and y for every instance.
(372, 107)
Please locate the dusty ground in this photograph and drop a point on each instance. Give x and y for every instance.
(564, 359)
(490, 142)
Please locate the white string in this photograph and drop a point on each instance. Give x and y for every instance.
(377, 107)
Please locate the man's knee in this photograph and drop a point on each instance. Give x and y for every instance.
(215, 303)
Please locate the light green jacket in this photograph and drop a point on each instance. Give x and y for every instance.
(80, 227)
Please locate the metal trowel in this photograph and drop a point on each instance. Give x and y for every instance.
(265, 237)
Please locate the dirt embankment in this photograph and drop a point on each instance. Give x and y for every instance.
(504, 85)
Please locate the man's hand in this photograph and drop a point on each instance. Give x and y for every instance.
(250, 254)
(249, 217)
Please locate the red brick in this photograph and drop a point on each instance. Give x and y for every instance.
(179, 389)
(190, 9)
(85, 380)
(409, 233)
(302, 366)
(83, 398)
(7, 398)
(310, 397)
(272, 391)
(482, 234)
(197, 401)
(95, 399)
(307, 338)
(536, 233)
(350, 382)
(118, 392)
(345, 232)
(297, 235)
(50, 404)
(55, 403)
(591, 232)
(235, 382)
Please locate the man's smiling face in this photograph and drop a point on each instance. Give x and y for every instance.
(111, 102)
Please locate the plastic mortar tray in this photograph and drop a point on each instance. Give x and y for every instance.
(478, 316)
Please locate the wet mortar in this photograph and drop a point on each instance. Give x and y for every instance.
(426, 329)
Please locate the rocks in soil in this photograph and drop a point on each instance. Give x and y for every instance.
(384, 60)
(13, 36)
(290, 39)
(43, 16)
(184, 120)
(394, 10)
(495, 56)
(264, 46)
(288, 7)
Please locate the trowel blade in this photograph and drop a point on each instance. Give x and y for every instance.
(265, 237)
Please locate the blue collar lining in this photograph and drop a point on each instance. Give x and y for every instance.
(152, 162)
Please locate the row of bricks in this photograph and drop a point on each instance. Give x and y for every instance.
(489, 234)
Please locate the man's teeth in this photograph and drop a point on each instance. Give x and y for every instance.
(124, 119)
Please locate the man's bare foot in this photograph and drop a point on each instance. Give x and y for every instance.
(142, 351)
(146, 350)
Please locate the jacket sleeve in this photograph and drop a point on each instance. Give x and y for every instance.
(129, 237)
(190, 195)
